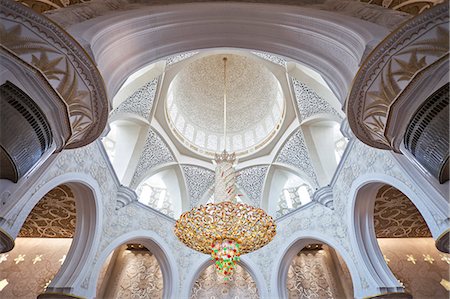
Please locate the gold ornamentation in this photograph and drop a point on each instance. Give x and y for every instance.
(391, 68)
(3, 257)
(445, 284)
(47, 284)
(64, 63)
(445, 258)
(413, 7)
(395, 216)
(410, 258)
(54, 216)
(251, 227)
(20, 258)
(3, 284)
(42, 6)
(37, 258)
(427, 258)
(61, 260)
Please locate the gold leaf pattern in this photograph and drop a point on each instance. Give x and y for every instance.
(413, 7)
(54, 216)
(395, 216)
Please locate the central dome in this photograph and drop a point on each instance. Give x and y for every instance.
(254, 104)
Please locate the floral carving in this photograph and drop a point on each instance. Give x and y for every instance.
(198, 182)
(140, 102)
(251, 181)
(309, 102)
(391, 68)
(67, 67)
(138, 276)
(42, 6)
(395, 216)
(171, 60)
(54, 216)
(294, 152)
(271, 57)
(311, 275)
(413, 7)
(155, 152)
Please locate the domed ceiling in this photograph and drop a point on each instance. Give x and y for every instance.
(255, 104)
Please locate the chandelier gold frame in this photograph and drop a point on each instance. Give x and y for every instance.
(249, 226)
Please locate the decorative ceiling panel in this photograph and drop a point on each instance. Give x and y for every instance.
(54, 216)
(309, 102)
(395, 216)
(155, 152)
(171, 60)
(140, 102)
(251, 181)
(270, 57)
(294, 152)
(255, 103)
(198, 181)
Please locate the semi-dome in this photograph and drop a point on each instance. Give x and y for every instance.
(255, 104)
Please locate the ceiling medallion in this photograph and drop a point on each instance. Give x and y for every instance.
(225, 229)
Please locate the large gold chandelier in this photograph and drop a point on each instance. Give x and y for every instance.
(225, 228)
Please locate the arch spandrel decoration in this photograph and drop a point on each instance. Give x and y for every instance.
(416, 49)
(64, 64)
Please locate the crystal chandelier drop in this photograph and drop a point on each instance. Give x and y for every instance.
(225, 229)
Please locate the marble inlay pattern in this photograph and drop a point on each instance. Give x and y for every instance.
(251, 181)
(309, 102)
(54, 216)
(198, 181)
(294, 152)
(155, 152)
(140, 102)
(395, 216)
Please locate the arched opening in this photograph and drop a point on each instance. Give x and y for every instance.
(125, 136)
(162, 191)
(286, 190)
(316, 270)
(131, 271)
(134, 264)
(326, 145)
(407, 246)
(41, 246)
(392, 231)
(210, 285)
